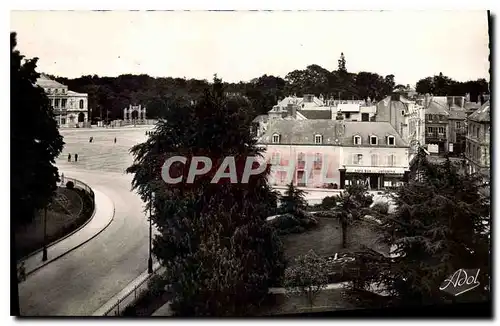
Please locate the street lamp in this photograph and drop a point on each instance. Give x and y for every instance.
(150, 259)
(44, 256)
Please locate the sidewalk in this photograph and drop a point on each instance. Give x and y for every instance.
(102, 217)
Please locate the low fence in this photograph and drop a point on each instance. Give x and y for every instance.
(132, 296)
(78, 184)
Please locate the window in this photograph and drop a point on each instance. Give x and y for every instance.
(63, 103)
(301, 159)
(357, 140)
(402, 112)
(441, 130)
(357, 159)
(275, 159)
(276, 138)
(478, 153)
(429, 117)
(365, 117)
(318, 139)
(458, 124)
(317, 160)
(391, 141)
(391, 160)
(477, 132)
(347, 115)
(374, 160)
(81, 104)
(63, 121)
(56, 103)
(373, 140)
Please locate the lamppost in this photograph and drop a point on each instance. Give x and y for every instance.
(44, 256)
(150, 259)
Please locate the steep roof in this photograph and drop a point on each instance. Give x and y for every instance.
(367, 129)
(261, 118)
(76, 93)
(457, 114)
(437, 105)
(45, 82)
(316, 114)
(482, 114)
(334, 132)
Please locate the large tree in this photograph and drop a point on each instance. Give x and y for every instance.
(440, 225)
(35, 140)
(220, 254)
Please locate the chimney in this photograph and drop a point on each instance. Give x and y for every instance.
(449, 100)
(292, 110)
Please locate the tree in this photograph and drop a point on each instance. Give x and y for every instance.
(307, 276)
(293, 200)
(441, 224)
(341, 66)
(220, 254)
(36, 141)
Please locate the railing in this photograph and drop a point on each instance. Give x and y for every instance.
(132, 296)
(78, 184)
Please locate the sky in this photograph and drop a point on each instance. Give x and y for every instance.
(240, 46)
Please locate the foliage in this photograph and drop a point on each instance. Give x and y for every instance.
(440, 85)
(156, 284)
(381, 208)
(70, 185)
(214, 241)
(441, 224)
(329, 202)
(293, 200)
(306, 276)
(36, 140)
(294, 223)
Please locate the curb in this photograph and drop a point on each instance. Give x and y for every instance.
(110, 304)
(60, 239)
(77, 246)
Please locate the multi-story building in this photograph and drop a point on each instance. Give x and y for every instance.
(456, 125)
(339, 153)
(70, 108)
(436, 124)
(477, 150)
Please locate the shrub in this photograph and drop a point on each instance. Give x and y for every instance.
(329, 202)
(70, 185)
(306, 276)
(156, 284)
(381, 208)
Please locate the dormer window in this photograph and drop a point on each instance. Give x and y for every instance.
(373, 140)
(357, 140)
(391, 140)
(318, 139)
(276, 138)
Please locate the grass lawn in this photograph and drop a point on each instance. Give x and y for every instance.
(326, 239)
(64, 217)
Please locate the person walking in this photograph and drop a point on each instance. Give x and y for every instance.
(91, 139)
(62, 178)
(69, 157)
(76, 157)
(115, 140)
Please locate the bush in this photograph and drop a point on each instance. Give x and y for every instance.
(329, 202)
(381, 208)
(70, 185)
(306, 276)
(156, 285)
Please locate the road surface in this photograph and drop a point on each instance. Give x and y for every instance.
(83, 280)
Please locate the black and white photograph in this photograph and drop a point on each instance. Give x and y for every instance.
(250, 163)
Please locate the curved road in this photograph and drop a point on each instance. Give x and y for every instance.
(82, 281)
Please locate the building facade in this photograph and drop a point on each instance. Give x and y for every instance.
(335, 153)
(436, 124)
(70, 108)
(477, 150)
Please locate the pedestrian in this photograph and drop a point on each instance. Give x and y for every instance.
(69, 157)
(76, 157)
(115, 140)
(62, 178)
(22, 272)
(91, 139)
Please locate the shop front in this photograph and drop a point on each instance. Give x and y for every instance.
(373, 177)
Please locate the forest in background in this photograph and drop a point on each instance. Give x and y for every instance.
(113, 94)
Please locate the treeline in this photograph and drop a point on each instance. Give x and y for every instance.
(440, 85)
(109, 95)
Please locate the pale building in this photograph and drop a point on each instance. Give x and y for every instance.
(477, 150)
(70, 108)
(339, 153)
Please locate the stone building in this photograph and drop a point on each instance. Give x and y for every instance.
(70, 108)
(477, 150)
